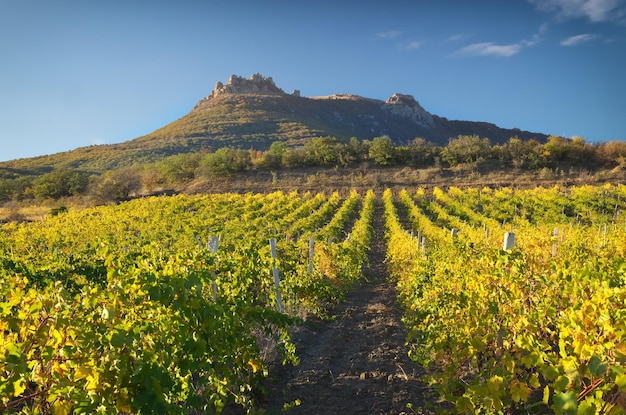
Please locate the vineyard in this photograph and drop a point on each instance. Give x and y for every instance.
(513, 301)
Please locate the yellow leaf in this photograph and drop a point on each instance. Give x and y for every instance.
(59, 368)
(519, 391)
(105, 313)
(121, 403)
(81, 372)
(92, 382)
(254, 365)
(546, 395)
(58, 336)
(494, 384)
(19, 386)
(534, 380)
(61, 407)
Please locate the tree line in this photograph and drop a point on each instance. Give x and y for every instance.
(116, 185)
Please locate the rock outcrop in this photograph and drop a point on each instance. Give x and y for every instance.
(257, 84)
(407, 107)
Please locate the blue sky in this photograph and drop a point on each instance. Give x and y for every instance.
(77, 73)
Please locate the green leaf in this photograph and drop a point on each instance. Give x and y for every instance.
(494, 384)
(586, 408)
(534, 380)
(565, 403)
(561, 383)
(594, 365)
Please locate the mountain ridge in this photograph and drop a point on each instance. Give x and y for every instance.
(400, 116)
(254, 112)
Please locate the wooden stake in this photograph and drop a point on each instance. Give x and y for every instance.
(509, 241)
(279, 300)
(311, 253)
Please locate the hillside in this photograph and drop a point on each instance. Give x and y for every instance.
(254, 112)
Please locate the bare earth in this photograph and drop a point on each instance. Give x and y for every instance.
(357, 363)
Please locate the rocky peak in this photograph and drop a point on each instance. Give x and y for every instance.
(257, 84)
(406, 106)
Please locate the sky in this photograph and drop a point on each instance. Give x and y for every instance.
(75, 73)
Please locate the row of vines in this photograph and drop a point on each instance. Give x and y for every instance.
(177, 304)
(535, 327)
(168, 305)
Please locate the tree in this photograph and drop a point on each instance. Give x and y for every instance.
(60, 183)
(224, 162)
(581, 152)
(556, 148)
(294, 157)
(323, 150)
(116, 185)
(418, 153)
(274, 156)
(523, 154)
(382, 151)
(613, 153)
(356, 150)
(465, 149)
(180, 168)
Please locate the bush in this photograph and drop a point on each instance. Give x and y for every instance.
(382, 151)
(224, 162)
(60, 183)
(115, 186)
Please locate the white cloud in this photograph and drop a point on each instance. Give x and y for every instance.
(594, 10)
(389, 35)
(490, 49)
(403, 45)
(505, 51)
(413, 45)
(456, 37)
(578, 39)
(537, 37)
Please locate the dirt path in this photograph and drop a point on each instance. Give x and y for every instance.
(357, 363)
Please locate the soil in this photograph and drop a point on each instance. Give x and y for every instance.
(357, 363)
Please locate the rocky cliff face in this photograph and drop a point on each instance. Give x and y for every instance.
(407, 107)
(257, 84)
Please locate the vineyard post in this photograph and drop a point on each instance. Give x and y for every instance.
(509, 241)
(555, 243)
(213, 244)
(311, 253)
(454, 233)
(279, 300)
(423, 244)
(419, 240)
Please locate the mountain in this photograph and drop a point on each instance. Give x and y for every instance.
(254, 112)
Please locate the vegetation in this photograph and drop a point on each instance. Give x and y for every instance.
(169, 304)
(163, 305)
(532, 328)
(174, 171)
